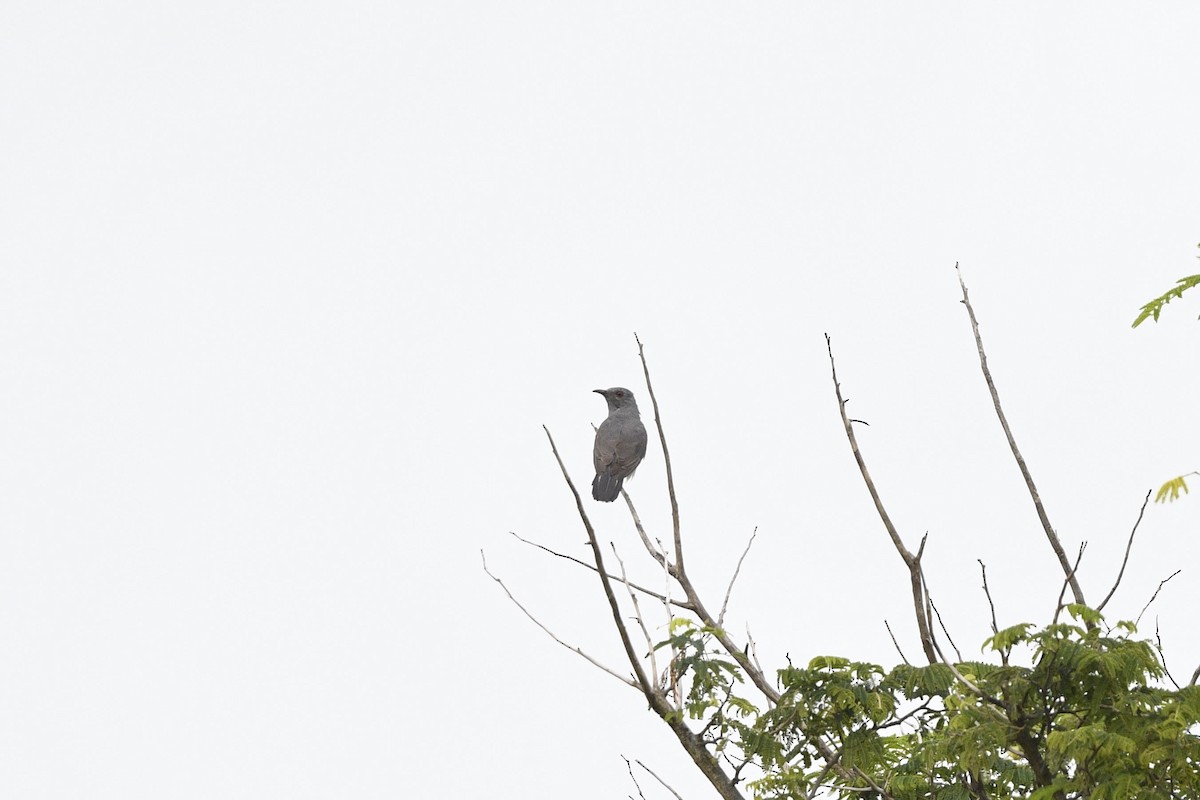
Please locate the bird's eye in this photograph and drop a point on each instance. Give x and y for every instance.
(620, 394)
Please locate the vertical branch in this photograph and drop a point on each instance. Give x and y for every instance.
(912, 562)
(1055, 544)
(992, 606)
(662, 438)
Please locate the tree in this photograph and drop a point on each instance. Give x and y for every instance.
(1070, 709)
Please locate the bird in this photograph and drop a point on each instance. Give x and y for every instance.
(620, 444)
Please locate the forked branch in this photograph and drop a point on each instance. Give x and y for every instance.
(913, 562)
(657, 700)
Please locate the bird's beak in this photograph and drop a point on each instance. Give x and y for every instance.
(598, 391)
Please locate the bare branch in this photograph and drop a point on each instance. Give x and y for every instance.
(693, 744)
(622, 678)
(1124, 561)
(1063, 591)
(737, 569)
(656, 551)
(752, 648)
(992, 607)
(942, 625)
(677, 570)
(677, 603)
(629, 767)
(1154, 596)
(662, 437)
(637, 612)
(665, 785)
(988, 593)
(912, 562)
(894, 642)
(1195, 677)
(1012, 443)
(1162, 656)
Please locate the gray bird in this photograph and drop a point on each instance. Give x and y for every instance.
(620, 444)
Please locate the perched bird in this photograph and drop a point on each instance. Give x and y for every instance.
(620, 444)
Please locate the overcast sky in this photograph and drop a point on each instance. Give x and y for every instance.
(289, 289)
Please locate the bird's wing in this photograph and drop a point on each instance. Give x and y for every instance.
(605, 451)
(630, 449)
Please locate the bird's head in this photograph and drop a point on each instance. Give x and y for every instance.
(617, 397)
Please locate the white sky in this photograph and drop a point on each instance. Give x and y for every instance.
(289, 289)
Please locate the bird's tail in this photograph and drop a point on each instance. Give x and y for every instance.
(605, 487)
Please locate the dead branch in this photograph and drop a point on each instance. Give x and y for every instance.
(1124, 561)
(1154, 596)
(912, 562)
(992, 607)
(1063, 591)
(942, 625)
(550, 633)
(1162, 656)
(736, 570)
(894, 642)
(664, 784)
(662, 437)
(637, 612)
(1055, 544)
(693, 744)
(629, 767)
(677, 603)
(656, 552)
(752, 648)
(988, 594)
(679, 573)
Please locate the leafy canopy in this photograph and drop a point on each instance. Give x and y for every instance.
(1086, 716)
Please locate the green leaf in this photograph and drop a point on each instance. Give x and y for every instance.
(1155, 306)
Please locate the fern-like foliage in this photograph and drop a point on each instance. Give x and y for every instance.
(1087, 719)
(1155, 306)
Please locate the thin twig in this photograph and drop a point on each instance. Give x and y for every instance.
(622, 678)
(1055, 544)
(662, 437)
(1124, 561)
(629, 767)
(912, 562)
(987, 593)
(678, 603)
(1154, 596)
(992, 607)
(637, 612)
(1063, 591)
(821, 776)
(753, 648)
(1195, 677)
(894, 642)
(656, 552)
(737, 569)
(665, 785)
(1163, 656)
(942, 625)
